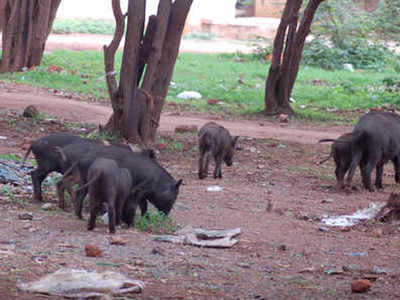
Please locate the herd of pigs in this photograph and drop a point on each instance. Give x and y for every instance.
(117, 176)
(122, 179)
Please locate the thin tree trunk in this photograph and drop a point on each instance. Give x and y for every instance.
(283, 70)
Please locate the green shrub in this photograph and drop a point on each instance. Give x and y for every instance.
(358, 52)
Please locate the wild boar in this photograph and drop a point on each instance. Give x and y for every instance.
(157, 185)
(216, 141)
(341, 153)
(47, 160)
(375, 141)
(107, 183)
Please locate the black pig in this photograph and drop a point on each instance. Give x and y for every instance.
(376, 140)
(47, 160)
(156, 184)
(215, 140)
(107, 183)
(341, 153)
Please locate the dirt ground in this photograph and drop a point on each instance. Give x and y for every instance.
(275, 192)
(283, 253)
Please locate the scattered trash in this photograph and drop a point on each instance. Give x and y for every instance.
(71, 283)
(214, 188)
(202, 237)
(378, 270)
(350, 220)
(348, 67)
(364, 253)
(212, 101)
(14, 172)
(47, 206)
(189, 95)
(104, 218)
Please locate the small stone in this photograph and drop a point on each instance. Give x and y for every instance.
(283, 118)
(139, 263)
(92, 250)
(30, 111)
(360, 285)
(158, 250)
(25, 216)
(115, 240)
(186, 128)
(282, 247)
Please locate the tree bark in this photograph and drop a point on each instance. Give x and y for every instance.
(148, 59)
(25, 25)
(284, 67)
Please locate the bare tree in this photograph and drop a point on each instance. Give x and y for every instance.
(148, 61)
(289, 39)
(25, 26)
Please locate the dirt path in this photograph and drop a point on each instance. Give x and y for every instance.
(78, 111)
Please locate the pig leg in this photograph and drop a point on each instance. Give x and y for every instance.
(367, 170)
(80, 195)
(355, 161)
(37, 178)
(201, 164)
(396, 165)
(206, 164)
(379, 173)
(111, 212)
(218, 164)
(339, 172)
(94, 205)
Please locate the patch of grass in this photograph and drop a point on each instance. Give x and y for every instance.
(96, 26)
(236, 81)
(156, 222)
(10, 156)
(7, 191)
(104, 135)
(200, 35)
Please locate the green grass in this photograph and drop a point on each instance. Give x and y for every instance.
(93, 26)
(237, 81)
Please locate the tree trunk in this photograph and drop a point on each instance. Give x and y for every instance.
(284, 67)
(25, 26)
(148, 59)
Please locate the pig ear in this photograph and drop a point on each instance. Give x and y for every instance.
(178, 183)
(234, 140)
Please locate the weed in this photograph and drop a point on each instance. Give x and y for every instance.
(104, 135)
(156, 222)
(177, 146)
(200, 35)
(10, 156)
(7, 191)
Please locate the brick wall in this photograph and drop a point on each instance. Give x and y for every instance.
(268, 8)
